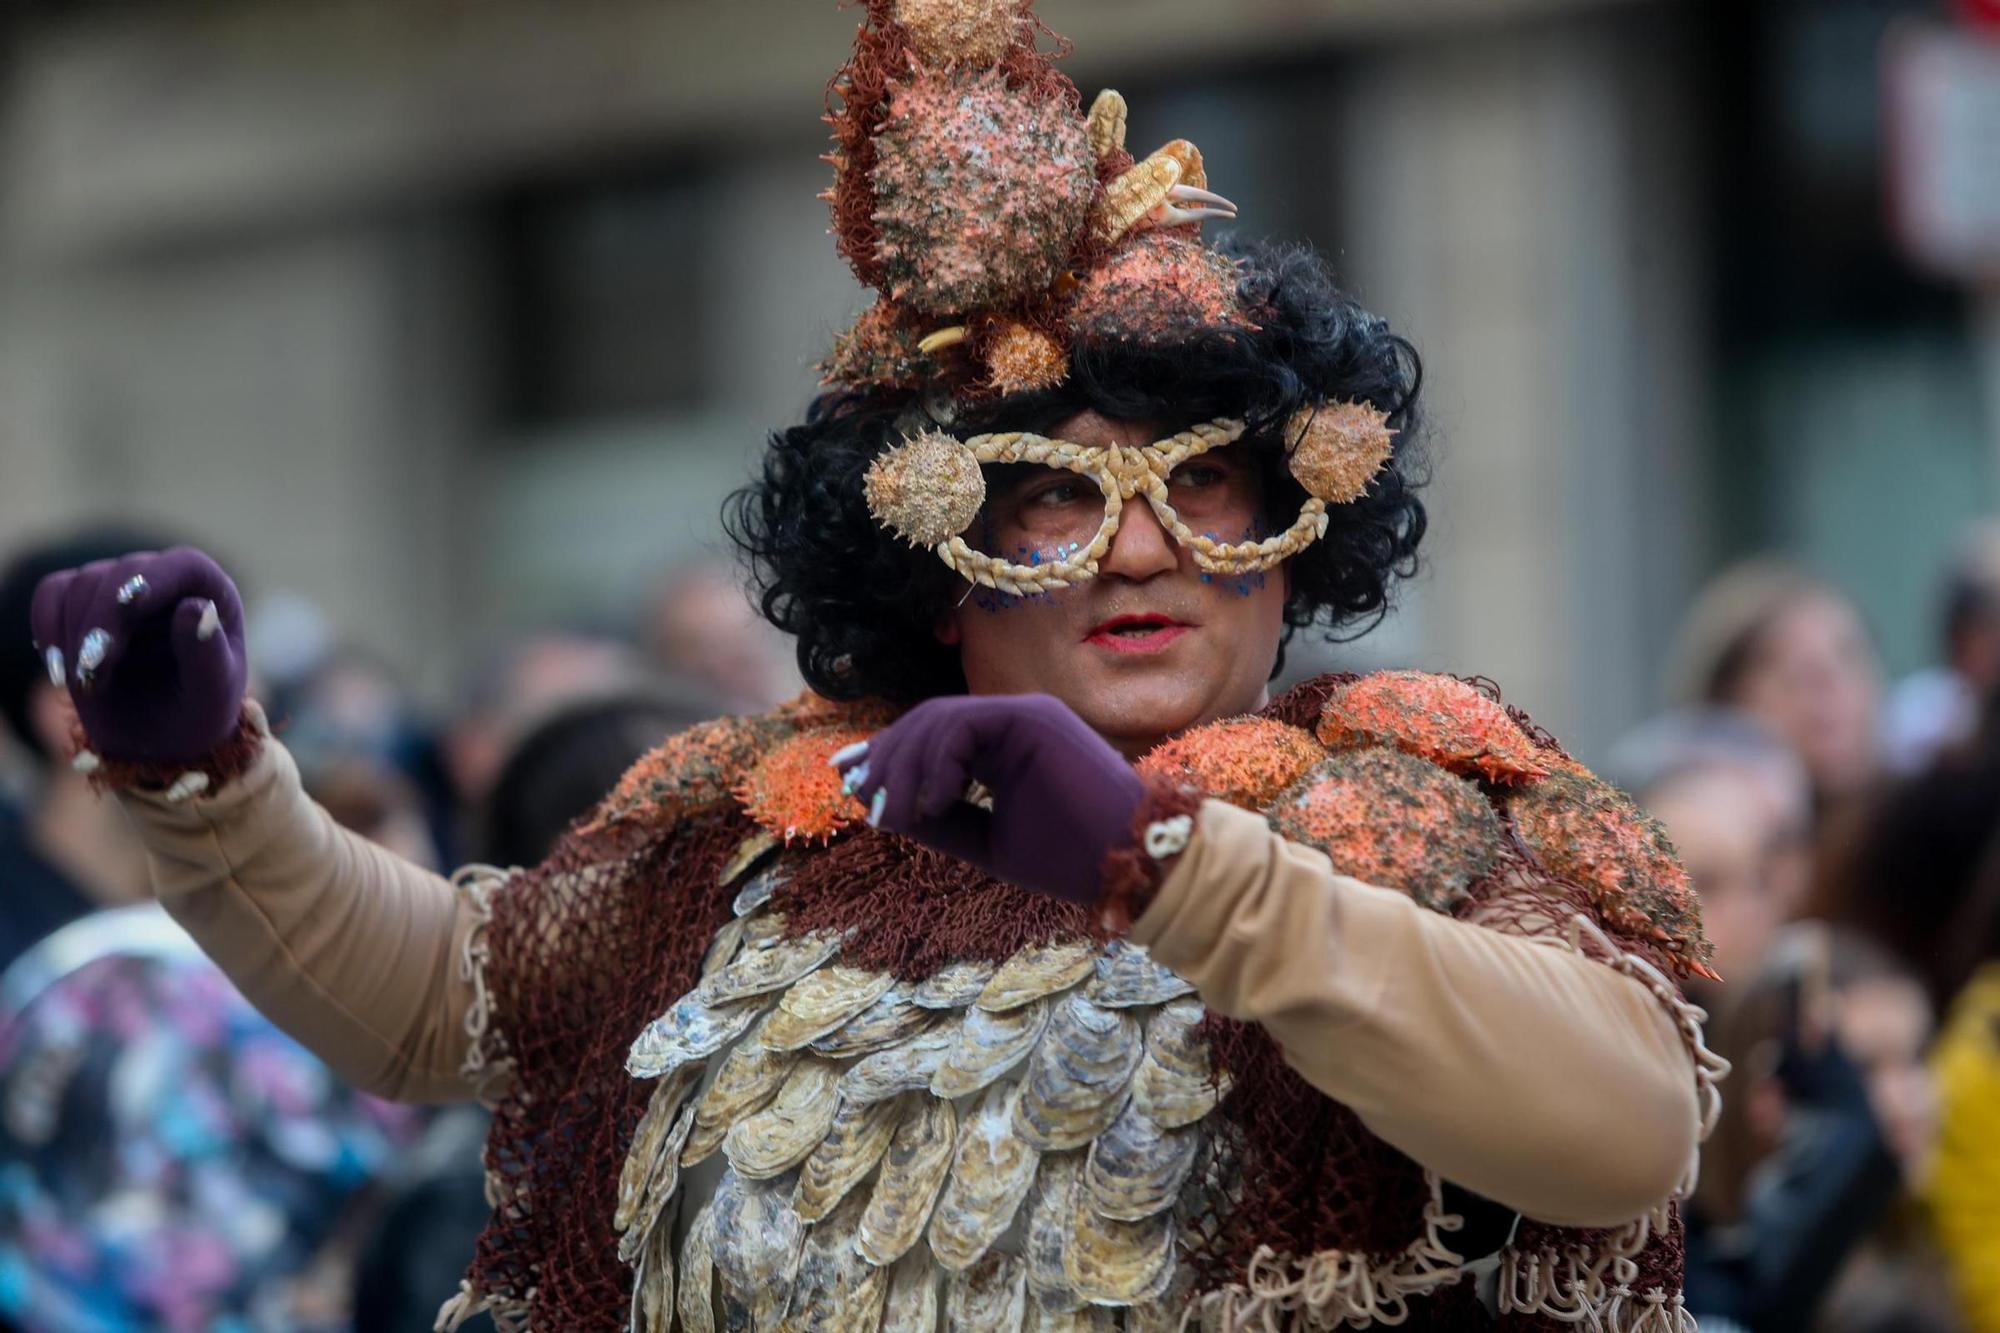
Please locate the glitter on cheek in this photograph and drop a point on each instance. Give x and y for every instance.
(993, 600)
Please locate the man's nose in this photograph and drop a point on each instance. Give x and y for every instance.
(1142, 547)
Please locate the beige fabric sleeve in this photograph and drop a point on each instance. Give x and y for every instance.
(349, 948)
(1545, 1081)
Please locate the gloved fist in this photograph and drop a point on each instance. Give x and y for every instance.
(151, 648)
(1062, 797)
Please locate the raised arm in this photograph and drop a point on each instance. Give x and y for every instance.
(356, 952)
(1548, 1081)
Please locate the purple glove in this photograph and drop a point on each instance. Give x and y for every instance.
(1062, 798)
(151, 647)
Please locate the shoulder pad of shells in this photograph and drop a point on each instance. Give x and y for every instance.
(1488, 793)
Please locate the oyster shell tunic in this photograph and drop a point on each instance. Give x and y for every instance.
(994, 1146)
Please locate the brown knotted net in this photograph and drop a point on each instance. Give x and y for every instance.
(607, 934)
(584, 950)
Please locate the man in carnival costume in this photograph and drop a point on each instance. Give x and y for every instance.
(1038, 971)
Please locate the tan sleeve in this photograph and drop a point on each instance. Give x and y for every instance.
(1545, 1081)
(349, 948)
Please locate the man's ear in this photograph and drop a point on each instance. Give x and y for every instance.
(947, 628)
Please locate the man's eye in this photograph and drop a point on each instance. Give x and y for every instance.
(1201, 477)
(1057, 493)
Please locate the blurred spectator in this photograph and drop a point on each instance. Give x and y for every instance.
(1791, 652)
(1737, 805)
(1828, 1108)
(359, 753)
(168, 1159)
(1915, 869)
(517, 687)
(1964, 1188)
(65, 852)
(701, 627)
(1937, 708)
(556, 772)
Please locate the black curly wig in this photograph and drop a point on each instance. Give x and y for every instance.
(864, 605)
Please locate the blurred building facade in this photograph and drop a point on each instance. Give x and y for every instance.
(461, 318)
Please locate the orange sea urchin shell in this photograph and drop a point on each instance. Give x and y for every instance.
(926, 490)
(1021, 358)
(1437, 718)
(690, 771)
(982, 191)
(1337, 449)
(1391, 819)
(1587, 831)
(960, 32)
(1247, 761)
(795, 793)
(880, 349)
(1157, 287)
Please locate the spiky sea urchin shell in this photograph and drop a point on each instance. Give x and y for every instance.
(1339, 448)
(982, 191)
(796, 793)
(1390, 819)
(1246, 761)
(1156, 288)
(926, 490)
(810, 710)
(960, 32)
(879, 350)
(1021, 358)
(1588, 831)
(691, 771)
(1438, 718)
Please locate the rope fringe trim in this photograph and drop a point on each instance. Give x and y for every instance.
(1336, 1288)
(1571, 1288)
(1594, 1290)
(487, 1066)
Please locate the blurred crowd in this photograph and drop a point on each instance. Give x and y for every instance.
(168, 1160)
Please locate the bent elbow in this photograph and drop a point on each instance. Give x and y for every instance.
(1646, 1141)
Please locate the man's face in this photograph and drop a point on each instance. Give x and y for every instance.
(1151, 646)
